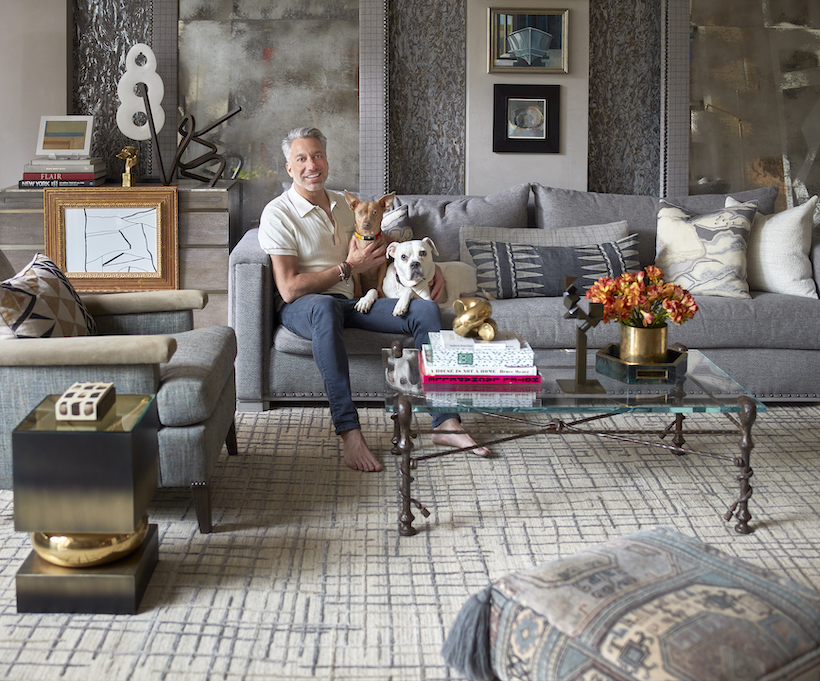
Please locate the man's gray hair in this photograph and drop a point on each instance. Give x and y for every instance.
(302, 133)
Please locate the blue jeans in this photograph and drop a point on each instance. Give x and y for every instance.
(321, 318)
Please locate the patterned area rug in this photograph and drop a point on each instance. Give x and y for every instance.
(305, 576)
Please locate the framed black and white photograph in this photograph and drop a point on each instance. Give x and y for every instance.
(526, 119)
(528, 41)
(114, 239)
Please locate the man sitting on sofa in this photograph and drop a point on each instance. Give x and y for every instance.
(303, 232)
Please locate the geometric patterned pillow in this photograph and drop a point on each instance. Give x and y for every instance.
(652, 605)
(509, 270)
(39, 302)
(705, 254)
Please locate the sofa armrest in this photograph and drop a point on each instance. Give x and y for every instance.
(251, 313)
(99, 304)
(87, 351)
(814, 254)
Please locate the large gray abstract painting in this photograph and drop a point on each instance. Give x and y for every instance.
(287, 63)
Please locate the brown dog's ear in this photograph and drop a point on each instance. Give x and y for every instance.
(387, 200)
(352, 201)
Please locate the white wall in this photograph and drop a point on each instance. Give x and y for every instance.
(489, 172)
(33, 81)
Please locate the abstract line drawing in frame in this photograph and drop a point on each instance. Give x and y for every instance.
(65, 136)
(114, 239)
(526, 119)
(528, 41)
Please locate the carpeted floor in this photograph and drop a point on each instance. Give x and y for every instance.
(305, 576)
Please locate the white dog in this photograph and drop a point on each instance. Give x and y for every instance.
(408, 275)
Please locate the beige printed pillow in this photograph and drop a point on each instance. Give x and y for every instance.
(705, 254)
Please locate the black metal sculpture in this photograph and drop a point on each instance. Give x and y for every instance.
(189, 134)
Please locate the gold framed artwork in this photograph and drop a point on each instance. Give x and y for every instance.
(114, 238)
(528, 40)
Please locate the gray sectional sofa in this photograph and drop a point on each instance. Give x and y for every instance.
(769, 342)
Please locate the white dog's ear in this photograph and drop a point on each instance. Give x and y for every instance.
(387, 200)
(391, 249)
(429, 242)
(352, 201)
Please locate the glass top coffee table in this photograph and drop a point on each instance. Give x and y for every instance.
(702, 388)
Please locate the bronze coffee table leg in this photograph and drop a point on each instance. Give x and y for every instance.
(740, 509)
(403, 445)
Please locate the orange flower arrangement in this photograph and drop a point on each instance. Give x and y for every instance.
(642, 299)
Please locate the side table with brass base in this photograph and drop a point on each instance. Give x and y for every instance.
(82, 490)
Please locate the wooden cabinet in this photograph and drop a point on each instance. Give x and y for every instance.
(207, 231)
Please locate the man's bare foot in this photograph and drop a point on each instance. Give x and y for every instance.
(460, 439)
(357, 454)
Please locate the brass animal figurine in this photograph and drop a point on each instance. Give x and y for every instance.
(473, 318)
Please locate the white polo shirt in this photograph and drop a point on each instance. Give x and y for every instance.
(292, 225)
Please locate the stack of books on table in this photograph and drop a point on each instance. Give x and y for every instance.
(63, 172)
(506, 361)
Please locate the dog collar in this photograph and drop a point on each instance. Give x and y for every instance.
(367, 238)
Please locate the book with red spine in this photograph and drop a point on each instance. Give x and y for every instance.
(63, 176)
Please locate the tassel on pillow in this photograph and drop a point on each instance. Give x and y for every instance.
(467, 648)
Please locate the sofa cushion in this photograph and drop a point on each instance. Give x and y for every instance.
(193, 381)
(440, 217)
(655, 604)
(505, 270)
(39, 302)
(719, 323)
(357, 342)
(556, 208)
(570, 236)
(705, 254)
(777, 257)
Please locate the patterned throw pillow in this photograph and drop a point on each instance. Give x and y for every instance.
(705, 254)
(396, 226)
(39, 302)
(505, 270)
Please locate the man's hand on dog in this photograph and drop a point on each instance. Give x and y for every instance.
(364, 259)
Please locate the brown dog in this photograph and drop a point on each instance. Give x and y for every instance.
(368, 215)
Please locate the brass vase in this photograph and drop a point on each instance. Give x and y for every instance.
(640, 345)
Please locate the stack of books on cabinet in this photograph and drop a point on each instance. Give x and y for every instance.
(40, 173)
(452, 359)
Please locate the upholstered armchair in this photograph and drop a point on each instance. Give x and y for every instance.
(145, 344)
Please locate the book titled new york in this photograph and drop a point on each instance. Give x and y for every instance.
(41, 184)
(475, 378)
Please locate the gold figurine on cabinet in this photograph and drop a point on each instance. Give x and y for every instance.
(129, 154)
